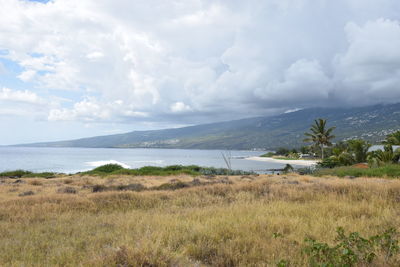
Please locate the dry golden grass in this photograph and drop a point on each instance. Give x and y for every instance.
(217, 225)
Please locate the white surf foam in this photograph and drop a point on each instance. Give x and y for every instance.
(104, 162)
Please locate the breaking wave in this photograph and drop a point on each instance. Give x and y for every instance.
(104, 162)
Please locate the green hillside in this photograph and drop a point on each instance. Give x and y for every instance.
(372, 123)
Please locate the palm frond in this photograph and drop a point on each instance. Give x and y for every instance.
(319, 134)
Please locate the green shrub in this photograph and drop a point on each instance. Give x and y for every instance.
(359, 148)
(24, 174)
(268, 155)
(15, 174)
(353, 249)
(282, 151)
(283, 263)
(108, 168)
(150, 170)
(113, 169)
(293, 155)
(223, 171)
(382, 157)
(389, 170)
(347, 159)
(46, 175)
(175, 168)
(330, 162)
(288, 168)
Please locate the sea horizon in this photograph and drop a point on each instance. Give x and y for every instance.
(74, 159)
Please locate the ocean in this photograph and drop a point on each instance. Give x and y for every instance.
(72, 160)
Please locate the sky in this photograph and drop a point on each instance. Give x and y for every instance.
(80, 68)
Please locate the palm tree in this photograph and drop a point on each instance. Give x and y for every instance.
(388, 155)
(320, 135)
(359, 149)
(392, 139)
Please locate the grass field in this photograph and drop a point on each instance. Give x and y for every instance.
(211, 221)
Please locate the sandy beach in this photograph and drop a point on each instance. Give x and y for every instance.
(299, 162)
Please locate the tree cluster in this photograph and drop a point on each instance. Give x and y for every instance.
(352, 151)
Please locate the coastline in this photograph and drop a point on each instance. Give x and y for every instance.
(299, 162)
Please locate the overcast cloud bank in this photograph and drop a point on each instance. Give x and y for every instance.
(194, 61)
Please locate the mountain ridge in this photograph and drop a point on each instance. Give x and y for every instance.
(372, 123)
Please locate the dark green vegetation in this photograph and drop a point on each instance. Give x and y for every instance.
(357, 151)
(350, 158)
(353, 250)
(114, 169)
(27, 174)
(269, 154)
(284, 153)
(388, 170)
(386, 156)
(370, 123)
(393, 139)
(347, 153)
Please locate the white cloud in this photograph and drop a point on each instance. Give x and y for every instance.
(95, 55)
(90, 110)
(304, 79)
(180, 107)
(22, 103)
(292, 110)
(84, 110)
(6, 94)
(369, 71)
(27, 76)
(201, 60)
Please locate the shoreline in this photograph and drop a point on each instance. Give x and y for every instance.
(299, 162)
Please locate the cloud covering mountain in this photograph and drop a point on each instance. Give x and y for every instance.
(150, 64)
